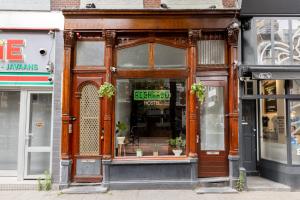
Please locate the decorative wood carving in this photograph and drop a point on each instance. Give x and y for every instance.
(194, 35)
(110, 38)
(233, 34)
(69, 38)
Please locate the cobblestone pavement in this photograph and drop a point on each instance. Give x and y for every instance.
(148, 195)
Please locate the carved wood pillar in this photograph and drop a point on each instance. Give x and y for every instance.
(192, 136)
(233, 33)
(66, 96)
(108, 61)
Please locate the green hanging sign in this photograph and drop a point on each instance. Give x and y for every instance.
(146, 95)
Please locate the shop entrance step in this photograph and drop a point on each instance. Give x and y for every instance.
(213, 182)
(85, 189)
(215, 190)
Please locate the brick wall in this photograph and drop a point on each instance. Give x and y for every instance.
(229, 3)
(151, 3)
(62, 4)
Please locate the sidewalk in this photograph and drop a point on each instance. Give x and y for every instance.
(148, 195)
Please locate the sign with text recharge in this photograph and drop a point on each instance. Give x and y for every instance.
(152, 95)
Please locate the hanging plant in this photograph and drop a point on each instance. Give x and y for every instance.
(199, 90)
(107, 90)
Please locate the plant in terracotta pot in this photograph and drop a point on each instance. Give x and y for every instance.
(107, 90)
(199, 90)
(121, 132)
(178, 144)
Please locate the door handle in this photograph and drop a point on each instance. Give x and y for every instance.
(244, 123)
(254, 129)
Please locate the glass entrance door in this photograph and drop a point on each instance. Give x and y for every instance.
(38, 134)
(9, 132)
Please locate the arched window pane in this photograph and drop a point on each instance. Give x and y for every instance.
(166, 56)
(134, 57)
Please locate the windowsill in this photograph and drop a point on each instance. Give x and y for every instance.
(152, 160)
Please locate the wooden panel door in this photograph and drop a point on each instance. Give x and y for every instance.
(213, 138)
(87, 134)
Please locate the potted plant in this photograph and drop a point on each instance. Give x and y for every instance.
(121, 132)
(139, 152)
(107, 90)
(155, 149)
(178, 144)
(199, 90)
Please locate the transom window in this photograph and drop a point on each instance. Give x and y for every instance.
(151, 55)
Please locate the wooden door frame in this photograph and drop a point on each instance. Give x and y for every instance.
(218, 81)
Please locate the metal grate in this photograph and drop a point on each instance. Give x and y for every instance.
(89, 121)
(211, 52)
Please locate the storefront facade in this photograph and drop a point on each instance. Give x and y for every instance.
(26, 102)
(152, 57)
(269, 91)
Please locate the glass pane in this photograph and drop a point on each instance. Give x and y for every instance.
(211, 52)
(295, 131)
(273, 130)
(90, 53)
(166, 56)
(38, 163)
(149, 112)
(296, 41)
(281, 42)
(294, 86)
(89, 121)
(40, 120)
(9, 131)
(272, 87)
(134, 57)
(212, 119)
(264, 45)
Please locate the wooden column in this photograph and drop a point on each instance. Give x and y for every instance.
(66, 95)
(193, 35)
(233, 90)
(108, 61)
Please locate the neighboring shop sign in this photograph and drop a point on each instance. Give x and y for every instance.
(25, 58)
(146, 95)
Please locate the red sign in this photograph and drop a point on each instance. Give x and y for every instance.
(13, 51)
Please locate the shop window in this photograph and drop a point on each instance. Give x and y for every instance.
(294, 107)
(281, 42)
(296, 41)
(263, 30)
(9, 131)
(90, 53)
(134, 57)
(273, 130)
(294, 86)
(212, 119)
(89, 121)
(211, 52)
(272, 87)
(169, 57)
(149, 112)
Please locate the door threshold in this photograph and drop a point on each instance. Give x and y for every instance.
(86, 184)
(213, 179)
(211, 182)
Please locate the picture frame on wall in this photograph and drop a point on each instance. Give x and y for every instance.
(270, 89)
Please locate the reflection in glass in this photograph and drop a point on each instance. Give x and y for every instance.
(281, 42)
(134, 57)
(90, 53)
(264, 46)
(40, 120)
(294, 86)
(166, 56)
(9, 129)
(296, 41)
(152, 111)
(38, 163)
(211, 52)
(273, 131)
(212, 119)
(295, 131)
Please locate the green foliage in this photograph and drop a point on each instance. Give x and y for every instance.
(177, 143)
(199, 90)
(107, 90)
(121, 128)
(240, 183)
(46, 183)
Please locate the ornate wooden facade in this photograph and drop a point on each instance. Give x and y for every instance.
(122, 28)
